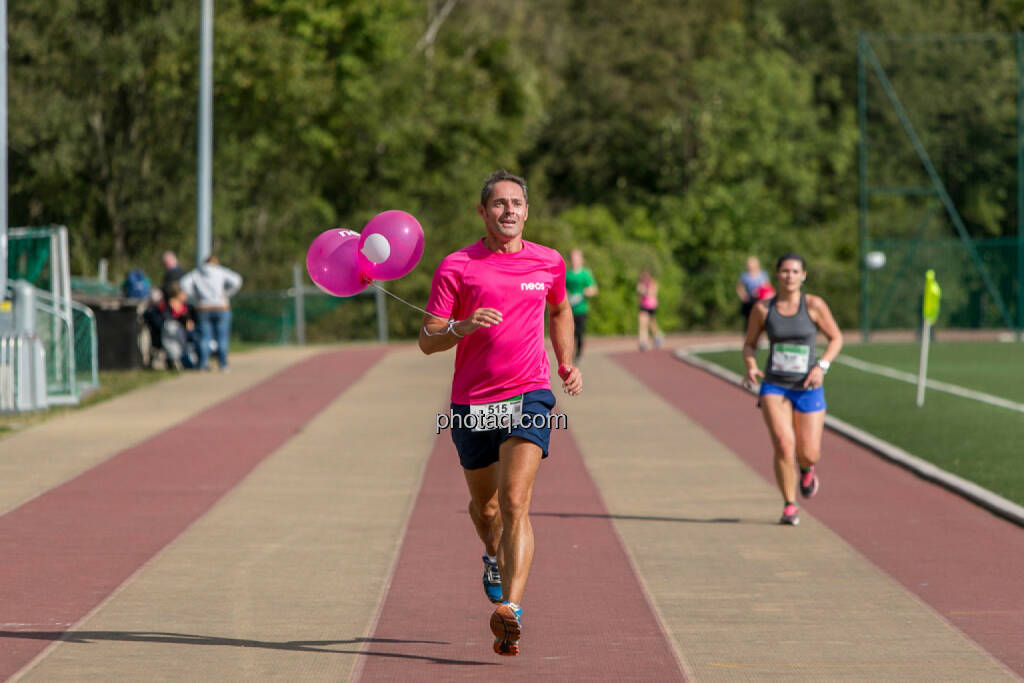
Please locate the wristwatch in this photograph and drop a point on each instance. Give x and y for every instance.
(824, 365)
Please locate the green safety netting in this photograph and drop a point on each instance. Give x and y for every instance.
(894, 291)
(269, 317)
(28, 256)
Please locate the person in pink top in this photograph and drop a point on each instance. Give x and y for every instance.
(489, 300)
(647, 324)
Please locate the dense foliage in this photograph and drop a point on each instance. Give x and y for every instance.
(675, 136)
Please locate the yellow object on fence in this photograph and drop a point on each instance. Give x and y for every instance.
(932, 297)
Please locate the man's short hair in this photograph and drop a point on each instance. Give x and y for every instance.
(497, 177)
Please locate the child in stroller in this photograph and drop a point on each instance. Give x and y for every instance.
(172, 324)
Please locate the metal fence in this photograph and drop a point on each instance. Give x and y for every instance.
(67, 332)
(22, 380)
(941, 177)
(66, 328)
(305, 314)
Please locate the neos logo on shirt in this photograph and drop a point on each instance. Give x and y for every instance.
(529, 286)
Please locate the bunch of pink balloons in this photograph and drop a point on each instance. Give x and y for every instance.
(344, 262)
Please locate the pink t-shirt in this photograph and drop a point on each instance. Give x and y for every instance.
(508, 359)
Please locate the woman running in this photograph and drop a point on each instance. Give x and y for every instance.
(647, 324)
(792, 398)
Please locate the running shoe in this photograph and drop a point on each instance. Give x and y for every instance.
(507, 625)
(808, 483)
(790, 515)
(492, 580)
(659, 339)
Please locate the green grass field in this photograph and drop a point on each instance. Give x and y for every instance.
(975, 440)
(993, 368)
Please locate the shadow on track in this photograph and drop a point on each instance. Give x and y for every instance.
(322, 646)
(641, 518)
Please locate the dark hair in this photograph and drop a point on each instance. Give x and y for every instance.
(497, 177)
(791, 257)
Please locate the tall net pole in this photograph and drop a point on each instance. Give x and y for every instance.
(3, 149)
(862, 185)
(204, 152)
(1020, 184)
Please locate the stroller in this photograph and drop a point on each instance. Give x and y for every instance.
(174, 339)
(170, 337)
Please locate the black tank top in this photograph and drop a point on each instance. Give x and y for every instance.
(792, 346)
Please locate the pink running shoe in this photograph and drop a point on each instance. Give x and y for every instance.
(790, 515)
(809, 483)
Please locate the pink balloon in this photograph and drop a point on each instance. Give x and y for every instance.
(403, 248)
(332, 263)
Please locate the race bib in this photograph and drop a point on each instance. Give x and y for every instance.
(575, 299)
(791, 358)
(504, 414)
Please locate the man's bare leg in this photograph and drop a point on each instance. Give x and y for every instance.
(517, 470)
(520, 460)
(483, 505)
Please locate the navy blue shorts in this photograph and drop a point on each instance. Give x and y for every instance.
(480, 449)
(803, 400)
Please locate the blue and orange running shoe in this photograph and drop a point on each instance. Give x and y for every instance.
(809, 483)
(507, 626)
(790, 514)
(492, 580)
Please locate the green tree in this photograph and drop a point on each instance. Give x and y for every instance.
(98, 121)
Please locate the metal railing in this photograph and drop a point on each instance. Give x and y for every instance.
(67, 331)
(22, 380)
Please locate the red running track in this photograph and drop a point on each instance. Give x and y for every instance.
(67, 550)
(957, 557)
(586, 616)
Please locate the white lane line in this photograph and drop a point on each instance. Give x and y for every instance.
(886, 371)
(910, 378)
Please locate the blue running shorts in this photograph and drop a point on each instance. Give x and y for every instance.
(480, 449)
(803, 400)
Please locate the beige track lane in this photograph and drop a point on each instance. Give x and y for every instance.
(281, 580)
(53, 452)
(740, 596)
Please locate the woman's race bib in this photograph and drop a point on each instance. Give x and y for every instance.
(792, 358)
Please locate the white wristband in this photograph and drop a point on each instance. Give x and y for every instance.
(449, 328)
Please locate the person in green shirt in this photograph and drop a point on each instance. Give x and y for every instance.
(580, 284)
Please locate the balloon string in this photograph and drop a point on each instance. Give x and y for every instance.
(402, 300)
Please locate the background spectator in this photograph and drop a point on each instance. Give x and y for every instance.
(751, 286)
(173, 272)
(210, 288)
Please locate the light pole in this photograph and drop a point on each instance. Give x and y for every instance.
(204, 147)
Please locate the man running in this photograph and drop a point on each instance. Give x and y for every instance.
(580, 284)
(489, 300)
